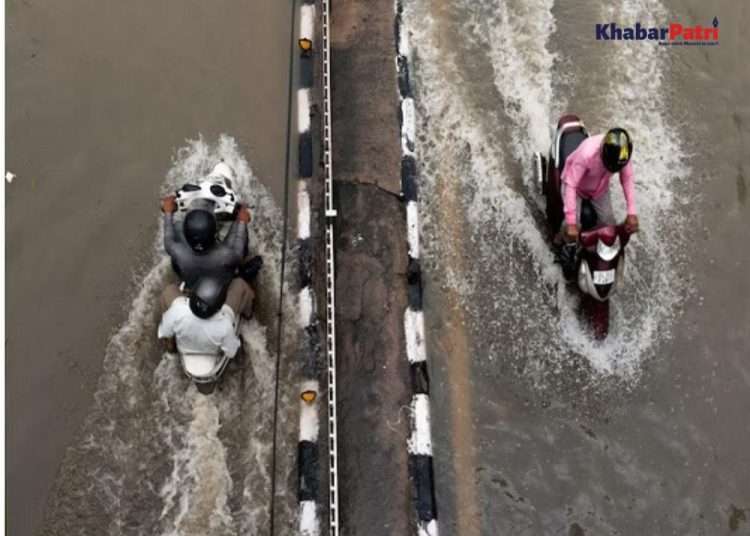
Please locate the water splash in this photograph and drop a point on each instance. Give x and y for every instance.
(157, 457)
(475, 147)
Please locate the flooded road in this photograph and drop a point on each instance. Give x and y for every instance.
(538, 428)
(105, 435)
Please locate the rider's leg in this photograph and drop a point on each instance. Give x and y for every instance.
(567, 250)
(250, 267)
(168, 295)
(604, 212)
(240, 297)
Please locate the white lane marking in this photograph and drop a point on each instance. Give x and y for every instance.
(412, 228)
(428, 529)
(305, 307)
(414, 329)
(303, 110)
(403, 42)
(308, 519)
(420, 441)
(307, 21)
(303, 211)
(408, 126)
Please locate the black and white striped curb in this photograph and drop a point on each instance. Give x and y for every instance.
(308, 460)
(420, 442)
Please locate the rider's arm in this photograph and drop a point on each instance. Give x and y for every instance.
(167, 325)
(571, 177)
(236, 239)
(230, 343)
(628, 187)
(171, 239)
(166, 332)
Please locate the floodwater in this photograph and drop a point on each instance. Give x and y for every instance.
(539, 428)
(104, 434)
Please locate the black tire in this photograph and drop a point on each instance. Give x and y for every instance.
(598, 316)
(539, 165)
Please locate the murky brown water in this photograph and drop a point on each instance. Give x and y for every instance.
(99, 97)
(647, 432)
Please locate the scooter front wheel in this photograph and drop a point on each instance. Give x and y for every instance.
(540, 172)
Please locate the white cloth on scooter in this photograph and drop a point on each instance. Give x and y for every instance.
(198, 335)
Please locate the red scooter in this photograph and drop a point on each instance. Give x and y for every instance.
(597, 260)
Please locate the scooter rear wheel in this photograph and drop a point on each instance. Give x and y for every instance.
(596, 313)
(599, 314)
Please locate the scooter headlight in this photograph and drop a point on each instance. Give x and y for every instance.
(606, 252)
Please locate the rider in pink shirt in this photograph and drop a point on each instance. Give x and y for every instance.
(587, 173)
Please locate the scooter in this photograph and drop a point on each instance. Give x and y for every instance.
(215, 193)
(597, 261)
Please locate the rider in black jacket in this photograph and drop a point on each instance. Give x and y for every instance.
(195, 252)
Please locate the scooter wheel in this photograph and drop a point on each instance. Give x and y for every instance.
(540, 171)
(599, 315)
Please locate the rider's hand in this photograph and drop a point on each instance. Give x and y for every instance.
(169, 204)
(571, 233)
(243, 215)
(631, 223)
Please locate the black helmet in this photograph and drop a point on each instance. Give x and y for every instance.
(200, 229)
(616, 149)
(207, 297)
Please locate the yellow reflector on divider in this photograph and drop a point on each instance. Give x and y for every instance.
(309, 396)
(305, 44)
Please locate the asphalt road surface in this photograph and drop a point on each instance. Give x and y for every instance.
(100, 95)
(538, 428)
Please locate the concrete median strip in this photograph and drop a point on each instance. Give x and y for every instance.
(308, 452)
(420, 442)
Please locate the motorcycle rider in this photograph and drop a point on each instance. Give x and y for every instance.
(196, 254)
(587, 173)
(203, 322)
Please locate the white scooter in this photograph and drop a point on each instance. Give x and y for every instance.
(213, 192)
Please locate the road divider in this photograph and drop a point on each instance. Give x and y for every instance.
(421, 470)
(308, 449)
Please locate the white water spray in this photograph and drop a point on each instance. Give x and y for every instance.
(488, 151)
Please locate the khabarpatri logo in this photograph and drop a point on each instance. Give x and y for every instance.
(673, 33)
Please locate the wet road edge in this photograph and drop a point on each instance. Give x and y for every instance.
(421, 469)
(374, 391)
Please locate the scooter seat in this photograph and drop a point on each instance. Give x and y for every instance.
(569, 143)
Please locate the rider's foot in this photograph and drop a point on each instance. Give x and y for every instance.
(567, 258)
(249, 270)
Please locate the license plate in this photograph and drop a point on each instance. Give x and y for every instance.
(604, 277)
